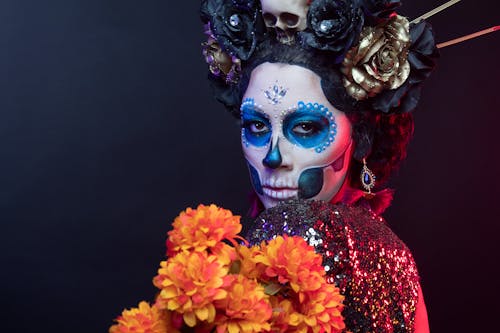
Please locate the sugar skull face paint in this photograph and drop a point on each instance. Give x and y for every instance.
(297, 145)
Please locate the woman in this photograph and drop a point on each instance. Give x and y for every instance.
(323, 101)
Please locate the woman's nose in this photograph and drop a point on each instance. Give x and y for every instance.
(273, 158)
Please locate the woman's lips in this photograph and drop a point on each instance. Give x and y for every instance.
(280, 193)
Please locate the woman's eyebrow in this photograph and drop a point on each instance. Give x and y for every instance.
(250, 111)
(249, 105)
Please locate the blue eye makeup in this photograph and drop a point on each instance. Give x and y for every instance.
(256, 128)
(310, 126)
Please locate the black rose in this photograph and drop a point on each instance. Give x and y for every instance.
(423, 52)
(333, 26)
(379, 10)
(234, 24)
(227, 94)
(423, 55)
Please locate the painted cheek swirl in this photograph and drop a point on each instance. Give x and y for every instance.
(310, 126)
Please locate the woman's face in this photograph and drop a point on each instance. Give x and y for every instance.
(297, 145)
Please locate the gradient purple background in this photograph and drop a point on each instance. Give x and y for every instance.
(108, 130)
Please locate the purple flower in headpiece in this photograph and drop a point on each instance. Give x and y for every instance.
(220, 64)
(234, 24)
(333, 25)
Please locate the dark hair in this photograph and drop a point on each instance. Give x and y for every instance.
(380, 138)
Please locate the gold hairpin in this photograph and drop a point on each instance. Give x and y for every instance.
(469, 36)
(435, 11)
(456, 40)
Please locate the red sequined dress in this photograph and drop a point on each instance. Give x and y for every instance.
(373, 268)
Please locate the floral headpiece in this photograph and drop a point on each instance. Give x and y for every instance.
(381, 57)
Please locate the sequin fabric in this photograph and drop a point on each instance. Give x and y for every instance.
(373, 268)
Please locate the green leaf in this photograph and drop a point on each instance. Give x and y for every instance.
(272, 288)
(235, 267)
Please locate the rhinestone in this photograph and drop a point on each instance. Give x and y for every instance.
(366, 178)
(325, 25)
(234, 20)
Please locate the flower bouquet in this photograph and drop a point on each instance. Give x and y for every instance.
(213, 281)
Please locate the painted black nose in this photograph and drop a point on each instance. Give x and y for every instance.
(273, 157)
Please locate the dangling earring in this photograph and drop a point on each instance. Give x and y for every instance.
(367, 180)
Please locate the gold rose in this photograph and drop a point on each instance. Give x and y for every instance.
(379, 61)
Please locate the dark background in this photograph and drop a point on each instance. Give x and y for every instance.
(108, 130)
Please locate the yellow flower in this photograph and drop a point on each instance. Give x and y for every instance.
(190, 282)
(203, 228)
(245, 309)
(144, 319)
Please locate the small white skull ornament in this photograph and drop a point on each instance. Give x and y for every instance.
(285, 17)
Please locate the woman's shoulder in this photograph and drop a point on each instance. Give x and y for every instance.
(309, 218)
(373, 268)
(365, 227)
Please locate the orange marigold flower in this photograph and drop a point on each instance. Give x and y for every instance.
(202, 228)
(319, 312)
(292, 268)
(249, 262)
(245, 309)
(144, 319)
(292, 261)
(285, 317)
(225, 253)
(322, 311)
(190, 282)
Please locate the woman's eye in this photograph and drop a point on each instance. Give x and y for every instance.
(305, 128)
(258, 127)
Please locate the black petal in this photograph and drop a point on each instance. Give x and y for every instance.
(239, 40)
(345, 19)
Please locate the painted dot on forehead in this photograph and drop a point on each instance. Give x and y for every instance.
(243, 137)
(247, 103)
